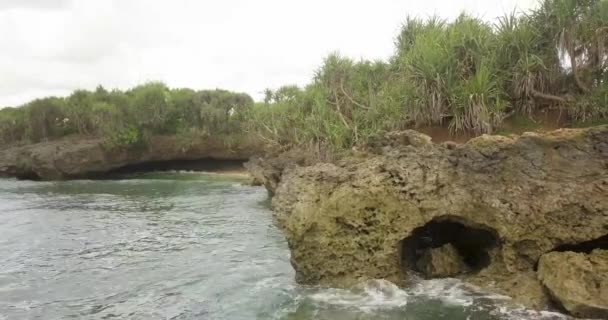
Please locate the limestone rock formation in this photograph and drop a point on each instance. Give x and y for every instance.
(268, 170)
(502, 202)
(578, 281)
(441, 262)
(80, 157)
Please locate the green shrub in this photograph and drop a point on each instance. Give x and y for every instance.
(125, 139)
(123, 119)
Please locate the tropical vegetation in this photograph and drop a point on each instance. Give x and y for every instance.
(466, 75)
(126, 118)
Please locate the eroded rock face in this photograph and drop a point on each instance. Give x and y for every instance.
(78, 157)
(442, 262)
(268, 170)
(578, 281)
(347, 222)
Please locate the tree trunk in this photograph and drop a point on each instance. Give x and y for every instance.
(574, 67)
(340, 110)
(351, 99)
(546, 96)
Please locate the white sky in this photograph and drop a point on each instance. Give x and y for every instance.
(51, 47)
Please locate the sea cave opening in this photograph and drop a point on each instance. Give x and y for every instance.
(204, 164)
(472, 245)
(28, 175)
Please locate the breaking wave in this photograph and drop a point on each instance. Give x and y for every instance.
(424, 299)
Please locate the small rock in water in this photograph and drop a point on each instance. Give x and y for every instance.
(441, 262)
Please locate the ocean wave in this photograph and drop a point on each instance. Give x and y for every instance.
(381, 295)
(369, 296)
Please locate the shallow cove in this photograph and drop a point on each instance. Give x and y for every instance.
(183, 246)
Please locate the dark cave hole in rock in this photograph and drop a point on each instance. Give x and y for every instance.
(28, 175)
(206, 164)
(471, 243)
(581, 247)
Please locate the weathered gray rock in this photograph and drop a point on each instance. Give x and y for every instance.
(521, 196)
(75, 157)
(578, 281)
(441, 262)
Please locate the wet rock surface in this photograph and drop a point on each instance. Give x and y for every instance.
(578, 282)
(76, 157)
(441, 262)
(520, 196)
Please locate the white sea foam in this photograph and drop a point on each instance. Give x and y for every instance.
(377, 295)
(369, 296)
(449, 291)
(523, 313)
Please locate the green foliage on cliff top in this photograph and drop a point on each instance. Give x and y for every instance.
(467, 75)
(125, 118)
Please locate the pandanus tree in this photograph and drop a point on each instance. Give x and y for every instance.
(331, 77)
(576, 33)
(451, 71)
(527, 64)
(579, 29)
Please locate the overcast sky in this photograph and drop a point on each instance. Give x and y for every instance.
(51, 47)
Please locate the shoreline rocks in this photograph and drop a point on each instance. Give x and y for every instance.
(78, 157)
(510, 200)
(578, 282)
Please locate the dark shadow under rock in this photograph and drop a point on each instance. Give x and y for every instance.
(205, 164)
(447, 240)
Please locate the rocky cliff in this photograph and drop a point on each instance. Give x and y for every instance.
(77, 157)
(485, 211)
(577, 281)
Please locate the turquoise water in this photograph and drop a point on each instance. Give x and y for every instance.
(183, 246)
